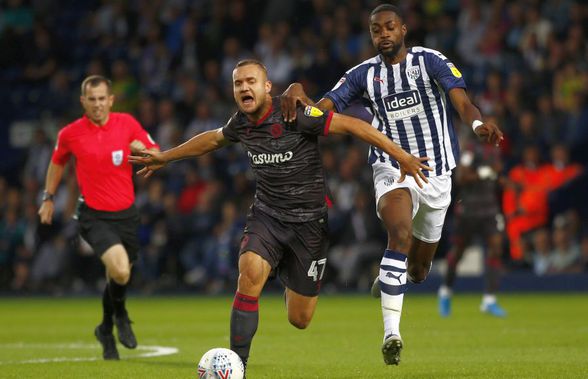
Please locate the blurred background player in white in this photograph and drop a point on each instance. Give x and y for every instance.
(477, 219)
(407, 91)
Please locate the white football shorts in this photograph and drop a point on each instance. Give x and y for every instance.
(429, 204)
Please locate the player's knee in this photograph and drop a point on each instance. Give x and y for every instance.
(120, 275)
(250, 280)
(417, 273)
(300, 320)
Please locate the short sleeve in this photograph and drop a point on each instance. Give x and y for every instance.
(349, 88)
(230, 130)
(443, 71)
(138, 133)
(311, 120)
(61, 152)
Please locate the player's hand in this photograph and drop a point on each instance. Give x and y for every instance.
(151, 159)
(136, 146)
(46, 212)
(415, 167)
(489, 132)
(289, 101)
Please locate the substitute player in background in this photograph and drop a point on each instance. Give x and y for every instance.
(476, 216)
(407, 91)
(101, 141)
(286, 227)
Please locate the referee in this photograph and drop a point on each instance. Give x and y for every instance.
(100, 141)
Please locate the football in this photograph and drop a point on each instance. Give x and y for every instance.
(220, 363)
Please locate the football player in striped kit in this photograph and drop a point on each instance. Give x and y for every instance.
(410, 93)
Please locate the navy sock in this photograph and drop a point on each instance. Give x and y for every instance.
(244, 320)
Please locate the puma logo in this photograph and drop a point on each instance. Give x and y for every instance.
(389, 274)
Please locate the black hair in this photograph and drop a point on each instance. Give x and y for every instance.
(388, 8)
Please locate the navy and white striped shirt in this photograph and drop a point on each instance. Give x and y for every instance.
(409, 103)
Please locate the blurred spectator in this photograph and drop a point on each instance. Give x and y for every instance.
(186, 56)
(524, 200)
(185, 95)
(12, 231)
(493, 96)
(202, 121)
(577, 132)
(566, 250)
(221, 248)
(233, 52)
(124, 87)
(59, 97)
(49, 263)
(275, 55)
(17, 16)
(42, 60)
(540, 256)
(193, 188)
(168, 128)
(360, 244)
(38, 157)
(471, 27)
(551, 123)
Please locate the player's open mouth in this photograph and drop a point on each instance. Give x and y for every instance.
(386, 45)
(247, 100)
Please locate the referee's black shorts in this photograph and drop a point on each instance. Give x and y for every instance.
(296, 250)
(102, 229)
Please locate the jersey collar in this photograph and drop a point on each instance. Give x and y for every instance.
(92, 125)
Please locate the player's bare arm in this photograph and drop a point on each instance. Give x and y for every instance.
(409, 164)
(54, 174)
(294, 95)
(469, 113)
(137, 146)
(198, 145)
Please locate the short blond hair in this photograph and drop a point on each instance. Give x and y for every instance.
(246, 62)
(95, 81)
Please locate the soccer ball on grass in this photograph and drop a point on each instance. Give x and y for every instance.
(220, 363)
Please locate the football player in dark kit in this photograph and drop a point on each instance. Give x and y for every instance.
(286, 228)
(108, 219)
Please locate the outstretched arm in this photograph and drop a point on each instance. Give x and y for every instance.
(409, 164)
(197, 145)
(295, 94)
(137, 146)
(470, 114)
(54, 174)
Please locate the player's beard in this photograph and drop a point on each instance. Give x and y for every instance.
(390, 52)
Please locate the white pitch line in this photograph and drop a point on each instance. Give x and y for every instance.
(150, 351)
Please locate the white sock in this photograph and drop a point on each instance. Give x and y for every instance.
(392, 288)
(488, 299)
(445, 291)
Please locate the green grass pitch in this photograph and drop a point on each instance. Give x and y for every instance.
(544, 336)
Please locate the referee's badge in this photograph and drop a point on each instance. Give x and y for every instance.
(413, 72)
(117, 157)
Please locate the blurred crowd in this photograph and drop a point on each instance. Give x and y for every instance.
(525, 63)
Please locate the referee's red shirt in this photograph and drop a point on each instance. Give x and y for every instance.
(103, 171)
